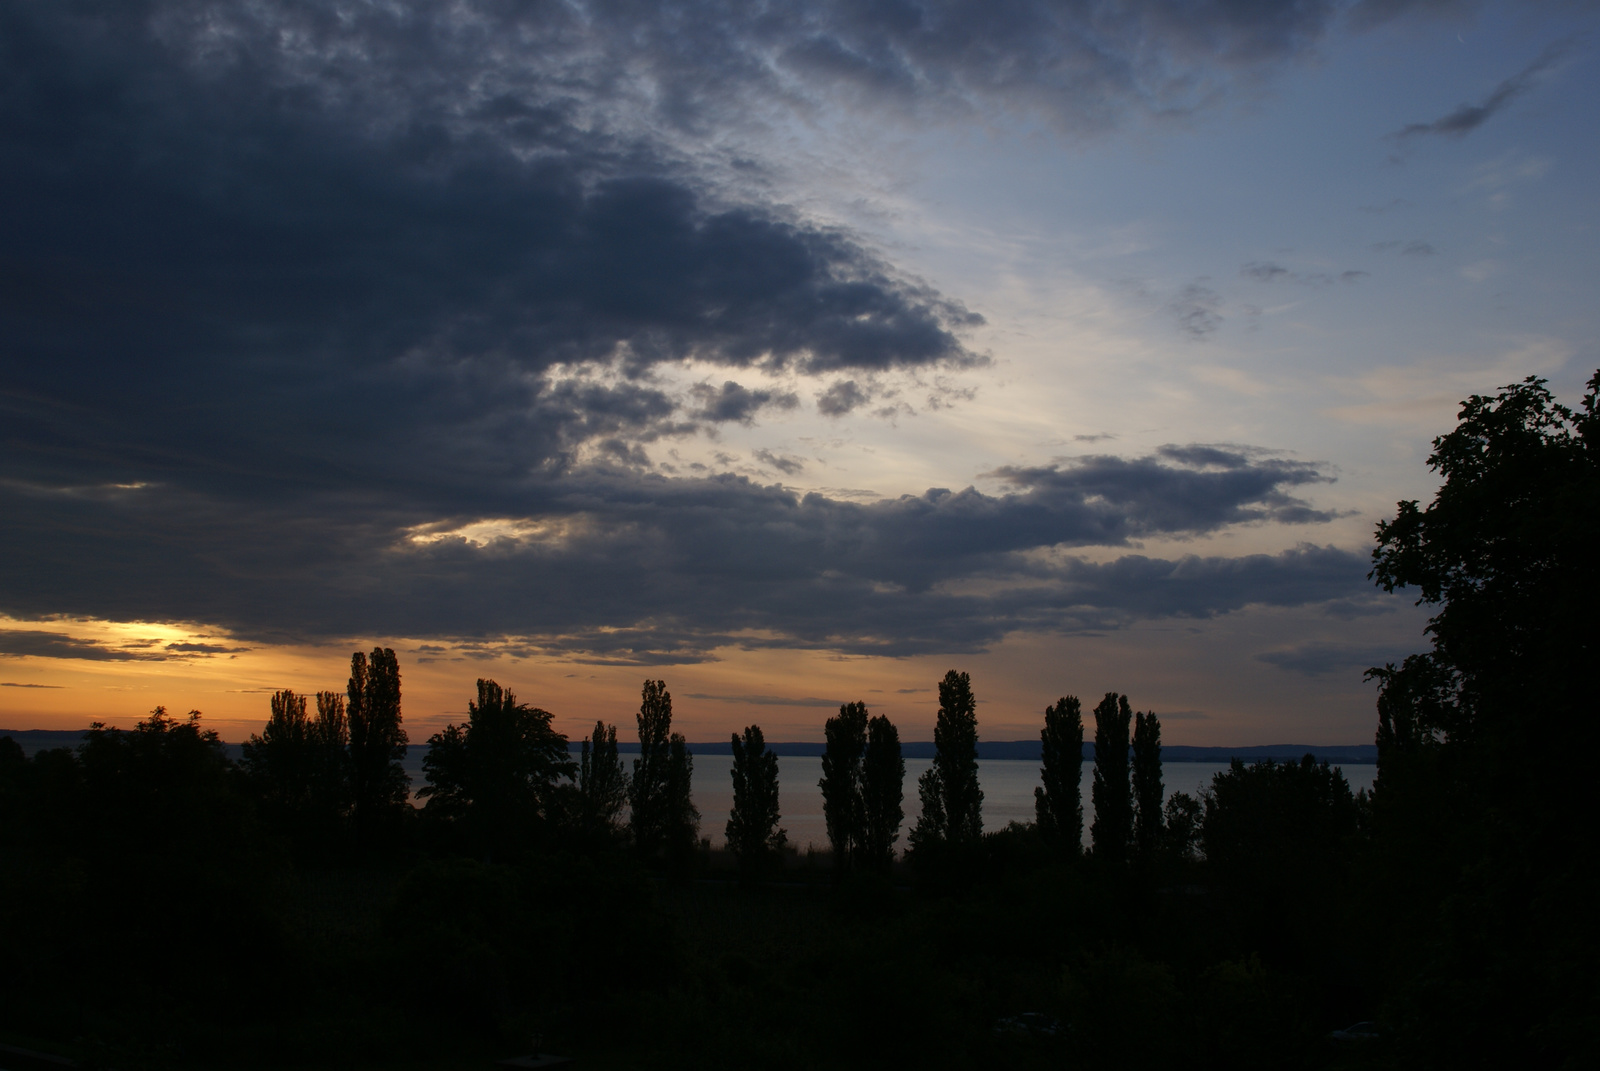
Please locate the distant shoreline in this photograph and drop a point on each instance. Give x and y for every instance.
(33, 740)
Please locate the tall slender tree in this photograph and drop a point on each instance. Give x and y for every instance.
(1058, 804)
(379, 786)
(842, 805)
(753, 833)
(602, 784)
(330, 739)
(662, 818)
(682, 828)
(1113, 795)
(883, 777)
(1147, 788)
(952, 802)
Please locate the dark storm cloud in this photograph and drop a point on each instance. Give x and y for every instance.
(285, 284)
(266, 258)
(1469, 117)
(621, 566)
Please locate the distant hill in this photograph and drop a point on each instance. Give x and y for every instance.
(33, 740)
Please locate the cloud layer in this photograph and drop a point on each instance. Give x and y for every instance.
(335, 321)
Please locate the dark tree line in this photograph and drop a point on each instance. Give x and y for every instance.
(863, 789)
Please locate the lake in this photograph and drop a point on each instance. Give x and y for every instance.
(1008, 786)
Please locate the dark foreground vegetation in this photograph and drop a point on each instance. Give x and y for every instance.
(164, 907)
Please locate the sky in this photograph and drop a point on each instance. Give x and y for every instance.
(791, 353)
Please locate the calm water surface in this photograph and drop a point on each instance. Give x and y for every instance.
(1008, 786)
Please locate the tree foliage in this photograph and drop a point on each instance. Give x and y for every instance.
(298, 768)
(752, 831)
(379, 787)
(497, 773)
(1473, 824)
(1113, 794)
(1147, 788)
(952, 802)
(843, 803)
(602, 784)
(1058, 802)
(662, 816)
(883, 776)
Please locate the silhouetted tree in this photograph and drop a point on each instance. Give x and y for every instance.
(843, 809)
(683, 818)
(952, 802)
(752, 830)
(647, 789)
(1113, 795)
(883, 776)
(602, 784)
(662, 818)
(1182, 820)
(1475, 831)
(281, 760)
(1058, 803)
(1147, 787)
(330, 744)
(1274, 833)
(379, 786)
(497, 772)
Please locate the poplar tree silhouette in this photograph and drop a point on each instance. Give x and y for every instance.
(843, 807)
(663, 818)
(602, 784)
(883, 776)
(1113, 797)
(1058, 803)
(1147, 787)
(378, 784)
(647, 790)
(330, 743)
(952, 802)
(752, 830)
(682, 818)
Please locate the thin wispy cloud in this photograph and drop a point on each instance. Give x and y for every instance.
(1469, 117)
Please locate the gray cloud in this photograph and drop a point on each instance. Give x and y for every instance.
(14, 684)
(1322, 659)
(842, 398)
(1266, 271)
(29, 643)
(1468, 117)
(732, 402)
(648, 568)
(766, 700)
(285, 284)
(1197, 310)
(787, 464)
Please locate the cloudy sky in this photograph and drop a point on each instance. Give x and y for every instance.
(793, 353)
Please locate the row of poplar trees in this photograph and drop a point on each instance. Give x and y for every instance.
(863, 774)
(504, 777)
